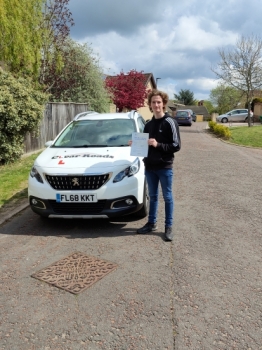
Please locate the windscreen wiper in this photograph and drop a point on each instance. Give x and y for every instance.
(88, 146)
(82, 146)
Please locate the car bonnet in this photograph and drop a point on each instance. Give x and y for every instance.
(96, 158)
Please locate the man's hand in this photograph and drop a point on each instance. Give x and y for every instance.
(152, 142)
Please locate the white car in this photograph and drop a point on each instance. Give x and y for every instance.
(88, 172)
(236, 115)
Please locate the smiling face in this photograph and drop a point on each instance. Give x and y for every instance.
(157, 106)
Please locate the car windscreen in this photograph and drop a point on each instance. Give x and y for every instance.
(182, 114)
(97, 133)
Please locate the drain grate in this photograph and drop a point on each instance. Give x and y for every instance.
(75, 273)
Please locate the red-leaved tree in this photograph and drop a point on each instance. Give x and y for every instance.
(128, 91)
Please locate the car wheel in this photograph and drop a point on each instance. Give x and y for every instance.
(143, 212)
(224, 120)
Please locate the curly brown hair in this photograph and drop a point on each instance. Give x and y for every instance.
(156, 92)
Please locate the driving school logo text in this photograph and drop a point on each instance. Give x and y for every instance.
(88, 155)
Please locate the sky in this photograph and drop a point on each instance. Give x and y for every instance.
(176, 41)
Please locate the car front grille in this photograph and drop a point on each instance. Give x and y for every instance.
(78, 208)
(77, 183)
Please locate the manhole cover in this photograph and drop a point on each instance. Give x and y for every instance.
(76, 272)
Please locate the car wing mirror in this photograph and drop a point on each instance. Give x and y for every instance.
(49, 143)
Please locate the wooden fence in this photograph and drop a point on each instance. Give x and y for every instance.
(56, 117)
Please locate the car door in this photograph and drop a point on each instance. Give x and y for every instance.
(243, 115)
(234, 115)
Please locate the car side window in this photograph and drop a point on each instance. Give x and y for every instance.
(141, 124)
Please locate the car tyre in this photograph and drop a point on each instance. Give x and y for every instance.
(224, 120)
(143, 212)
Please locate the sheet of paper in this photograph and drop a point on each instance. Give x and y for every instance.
(139, 145)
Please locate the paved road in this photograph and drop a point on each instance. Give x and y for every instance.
(202, 291)
(218, 253)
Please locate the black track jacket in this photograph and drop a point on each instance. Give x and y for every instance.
(166, 132)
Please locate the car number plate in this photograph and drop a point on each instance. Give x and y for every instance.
(76, 198)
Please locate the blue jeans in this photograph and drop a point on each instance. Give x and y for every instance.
(165, 177)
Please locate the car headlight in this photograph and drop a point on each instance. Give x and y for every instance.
(129, 171)
(35, 173)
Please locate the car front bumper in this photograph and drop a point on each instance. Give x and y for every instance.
(184, 122)
(101, 209)
(113, 199)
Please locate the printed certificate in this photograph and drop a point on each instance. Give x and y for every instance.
(139, 145)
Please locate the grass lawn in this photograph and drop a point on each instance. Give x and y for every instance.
(247, 136)
(13, 179)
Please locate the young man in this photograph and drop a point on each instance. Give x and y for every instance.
(164, 141)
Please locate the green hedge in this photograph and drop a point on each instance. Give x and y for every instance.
(219, 130)
(21, 111)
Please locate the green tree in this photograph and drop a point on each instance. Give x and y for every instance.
(241, 67)
(79, 79)
(186, 97)
(20, 37)
(32, 33)
(225, 98)
(209, 106)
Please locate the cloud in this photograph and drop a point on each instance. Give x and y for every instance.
(177, 42)
(102, 16)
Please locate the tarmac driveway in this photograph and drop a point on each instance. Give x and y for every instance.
(202, 291)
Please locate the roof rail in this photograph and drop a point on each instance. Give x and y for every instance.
(83, 114)
(132, 113)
